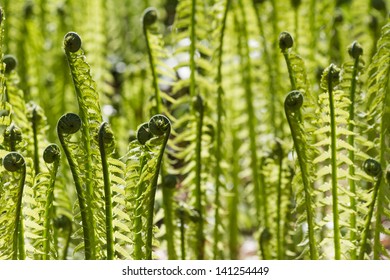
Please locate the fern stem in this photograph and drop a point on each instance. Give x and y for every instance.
(84, 210)
(182, 215)
(333, 147)
(200, 237)
(152, 64)
(107, 193)
(233, 202)
(279, 237)
(150, 212)
(246, 71)
(138, 242)
(67, 242)
(291, 106)
(168, 187)
(351, 155)
(35, 135)
(49, 209)
(367, 222)
(218, 144)
(290, 69)
(192, 48)
(271, 71)
(18, 238)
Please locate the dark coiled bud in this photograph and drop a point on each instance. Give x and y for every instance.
(106, 133)
(72, 42)
(149, 16)
(62, 222)
(388, 175)
(10, 63)
(296, 3)
(159, 125)
(12, 136)
(372, 167)
(286, 41)
(69, 123)
(355, 50)
(52, 153)
(143, 133)
(294, 100)
(170, 181)
(13, 161)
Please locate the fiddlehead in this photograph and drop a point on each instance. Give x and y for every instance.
(292, 105)
(374, 169)
(106, 137)
(160, 125)
(14, 162)
(52, 156)
(69, 124)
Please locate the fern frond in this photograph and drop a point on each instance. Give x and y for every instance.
(378, 108)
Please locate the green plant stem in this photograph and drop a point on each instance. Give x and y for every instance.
(67, 242)
(218, 144)
(49, 209)
(168, 218)
(333, 147)
(293, 122)
(193, 48)
(138, 242)
(200, 237)
(367, 222)
(383, 148)
(18, 238)
(89, 236)
(153, 70)
(273, 82)
(182, 238)
(150, 212)
(107, 194)
(351, 156)
(290, 69)
(279, 221)
(36, 146)
(247, 81)
(233, 202)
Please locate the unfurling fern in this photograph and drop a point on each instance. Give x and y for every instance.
(378, 108)
(11, 206)
(143, 162)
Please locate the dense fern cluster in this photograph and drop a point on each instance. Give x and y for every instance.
(194, 129)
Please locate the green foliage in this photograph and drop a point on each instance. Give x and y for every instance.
(201, 127)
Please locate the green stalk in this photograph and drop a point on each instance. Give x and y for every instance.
(18, 162)
(182, 238)
(367, 222)
(233, 201)
(150, 211)
(218, 144)
(168, 189)
(86, 212)
(374, 169)
(192, 48)
(200, 237)
(280, 238)
(107, 192)
(149, 18)
(36, 147)
(333, 147)
(273, 83)
(247, 80)
(49, 209)
(351, 156)
(292, 105)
